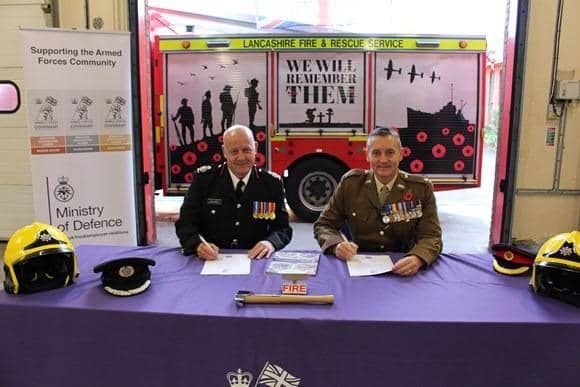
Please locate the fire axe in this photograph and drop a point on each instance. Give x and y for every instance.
(245, 297)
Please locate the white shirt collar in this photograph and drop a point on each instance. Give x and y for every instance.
(235, 179)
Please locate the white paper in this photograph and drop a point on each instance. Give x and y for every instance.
(361, 265)
(227, 264)
(285, 262)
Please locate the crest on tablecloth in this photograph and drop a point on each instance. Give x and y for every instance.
(271, 375)
(239, 378)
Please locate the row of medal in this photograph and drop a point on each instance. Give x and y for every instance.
(264, 210)
(401, 211)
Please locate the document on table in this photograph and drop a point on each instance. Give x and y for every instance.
(227, 264)
(361, 265)
(287, 262)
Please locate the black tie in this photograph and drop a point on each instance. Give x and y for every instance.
(239, 189)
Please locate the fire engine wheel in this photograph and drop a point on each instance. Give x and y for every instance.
(310, 186)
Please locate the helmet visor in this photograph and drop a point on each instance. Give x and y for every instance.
(48, 269)
(559, 281)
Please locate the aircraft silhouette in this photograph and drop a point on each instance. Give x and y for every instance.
(413, 74)
(181, 83)
(204, 67)
(433, 77)
(390, 70)
(222, 67)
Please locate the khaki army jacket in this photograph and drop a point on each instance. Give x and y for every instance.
(408, 222)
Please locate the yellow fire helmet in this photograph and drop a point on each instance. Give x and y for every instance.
(556, 271)
(39, 257)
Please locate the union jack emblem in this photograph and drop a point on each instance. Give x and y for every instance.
(275, 376)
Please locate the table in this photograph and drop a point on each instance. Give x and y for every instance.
(457, 323)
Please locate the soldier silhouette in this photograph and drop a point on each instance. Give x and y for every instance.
(310, 115)
(228, 107)
(186, 119)
(206, 116)
(253, 102)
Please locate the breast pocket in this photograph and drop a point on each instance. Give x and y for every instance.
(360, 222)
(215, 213)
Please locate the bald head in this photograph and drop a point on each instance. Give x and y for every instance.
(237, 130)
(239, 149)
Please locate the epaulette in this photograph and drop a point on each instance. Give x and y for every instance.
(268, 172)
(203, 169)
(355, 172)
(415, 178)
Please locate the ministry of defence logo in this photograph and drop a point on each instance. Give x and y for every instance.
(271, 376)
(63, 192)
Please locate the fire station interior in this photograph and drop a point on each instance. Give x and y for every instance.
(529, 180)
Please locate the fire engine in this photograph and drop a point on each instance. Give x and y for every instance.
(311, 101)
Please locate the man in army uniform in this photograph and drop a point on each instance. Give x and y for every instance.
(234, 205)
(385, 209)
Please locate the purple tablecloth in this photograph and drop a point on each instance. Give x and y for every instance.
(456, 323)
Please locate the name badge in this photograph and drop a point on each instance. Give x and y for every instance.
(214, 201)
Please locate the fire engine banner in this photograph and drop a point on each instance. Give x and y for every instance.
(432, 99)
(78, 87)
(321, 90)
(206, 94)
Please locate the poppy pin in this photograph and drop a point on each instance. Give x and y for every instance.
(408, 195)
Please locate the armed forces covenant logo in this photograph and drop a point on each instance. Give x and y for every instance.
(116, 112)
(63, 192)
(271, 376)
(46, 113)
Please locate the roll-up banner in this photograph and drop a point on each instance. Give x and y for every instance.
(78, 87)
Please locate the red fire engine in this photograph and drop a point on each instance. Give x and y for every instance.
(311, 100)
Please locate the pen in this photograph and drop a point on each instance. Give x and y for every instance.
(202, 239)
(344, 238)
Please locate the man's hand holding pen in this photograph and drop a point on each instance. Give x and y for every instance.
(346, 249)
(207, 251)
